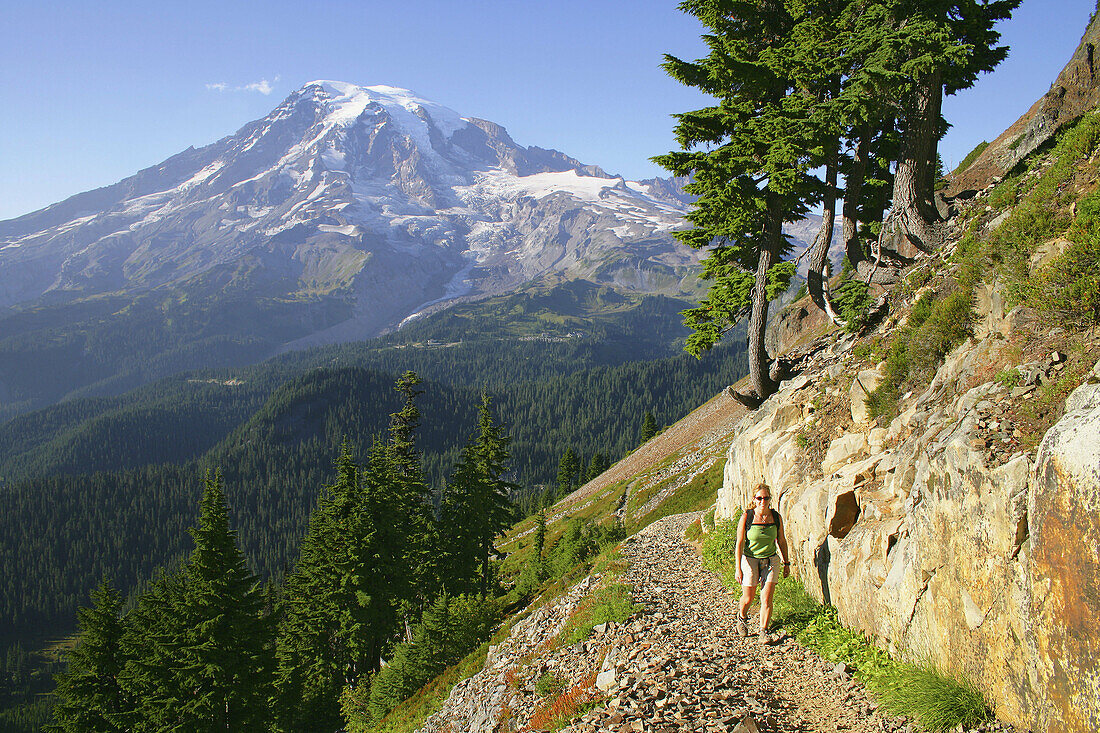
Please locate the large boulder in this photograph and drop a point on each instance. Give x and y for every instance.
(1064, 519)
(866, 382)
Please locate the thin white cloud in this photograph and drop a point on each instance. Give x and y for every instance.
(263, 86)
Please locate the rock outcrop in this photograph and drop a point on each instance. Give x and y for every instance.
(936, 536)
(1074, 92)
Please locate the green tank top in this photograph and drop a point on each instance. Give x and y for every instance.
(760, 538)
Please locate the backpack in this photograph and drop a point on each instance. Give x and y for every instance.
(752, 510)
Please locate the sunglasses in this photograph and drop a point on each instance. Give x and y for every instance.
(763, 498)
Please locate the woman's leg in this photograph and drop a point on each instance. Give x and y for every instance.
(766, 603)
(748, 592)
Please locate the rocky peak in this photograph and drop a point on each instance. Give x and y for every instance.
(1074, 92)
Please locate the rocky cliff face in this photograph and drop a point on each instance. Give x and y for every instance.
(1074, 92)
(936, 534)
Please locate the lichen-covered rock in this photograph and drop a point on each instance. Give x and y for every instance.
(939, 555)
(1064, 511)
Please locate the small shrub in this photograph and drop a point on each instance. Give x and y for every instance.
(935, 327)
(451, 627)
(937, 701)
(719, 550)
(549, 684)
(1007, 378)
(556, 714)
(803, 440)
(853, 303)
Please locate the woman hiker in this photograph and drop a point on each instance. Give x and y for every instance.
(759, 536)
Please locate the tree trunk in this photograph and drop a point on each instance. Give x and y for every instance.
(910, 227)
(819, 252)
(853, 192)
(759, 376)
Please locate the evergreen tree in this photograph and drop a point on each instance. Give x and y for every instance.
(153, 646)
(88, 695)
(414, 506)
(568, 469)
(227, 655)
(476, 507)
(600, 463)
(649, 428)
(541, 570)
(197, 645)
(749, 156)
(334, 616)
(940, 46)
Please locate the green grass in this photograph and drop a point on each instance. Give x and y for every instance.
(970, 157)
(697, 495)
(611, 602)
(935, 327)
(935, 700)
(549, 684)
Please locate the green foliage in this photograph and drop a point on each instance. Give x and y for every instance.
(694, 531)
(410, 714)
(549, 684)
(1007, 378)
(476, 508)
(88, 693)
(1044, 206)
(853, 302)
(719, 551)
(59, 533)
(649, 428)
(935, 700)
(935, 327)
(610, 602)
(1067, 289)
(580, 542)
(452, 626)
(970, 157)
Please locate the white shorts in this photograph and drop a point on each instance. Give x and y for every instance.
(759, 570)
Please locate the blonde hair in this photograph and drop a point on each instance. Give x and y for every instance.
(752, 501)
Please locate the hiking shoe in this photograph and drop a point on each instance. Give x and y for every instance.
(766, 639)
(742, 628)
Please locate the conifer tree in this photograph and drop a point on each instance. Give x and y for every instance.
(476, 506)
(335, 611)
(600, 463)
(568, 468)
(749, 156)
(541, 570)
(649, 428)
(414, 504)
(227, 658)
(153, 643)
(89, 696)
(198, 647)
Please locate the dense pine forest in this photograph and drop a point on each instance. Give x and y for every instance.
(274, 433)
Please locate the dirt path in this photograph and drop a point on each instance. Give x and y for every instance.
(686, 669)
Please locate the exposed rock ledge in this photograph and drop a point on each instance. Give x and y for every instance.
(993, 572)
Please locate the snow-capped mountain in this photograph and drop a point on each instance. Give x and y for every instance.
(372, 195)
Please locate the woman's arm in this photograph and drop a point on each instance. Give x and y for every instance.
(740, 544)
(781, 540)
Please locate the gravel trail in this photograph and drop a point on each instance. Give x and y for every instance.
(680, 665)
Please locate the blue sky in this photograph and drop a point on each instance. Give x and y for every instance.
(94, 91)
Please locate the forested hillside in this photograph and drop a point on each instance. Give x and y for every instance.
(60, 533)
